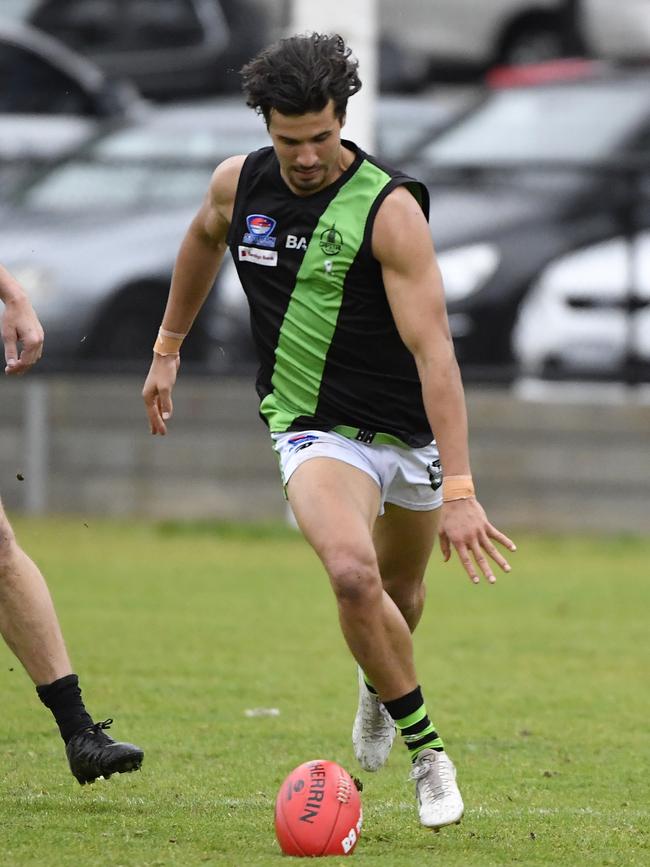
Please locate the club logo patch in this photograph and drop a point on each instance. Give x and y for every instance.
(435, 474)
(331, 241)
(259, 231)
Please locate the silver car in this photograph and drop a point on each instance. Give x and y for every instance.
(93, 240)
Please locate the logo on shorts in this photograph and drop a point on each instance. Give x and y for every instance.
(435, 474)
(331, 241)
(302, 441)
(259, 230)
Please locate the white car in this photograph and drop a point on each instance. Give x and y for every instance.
(467, 32)
(617, 29)
(581, 316)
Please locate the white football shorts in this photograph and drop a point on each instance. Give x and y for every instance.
(406, 477)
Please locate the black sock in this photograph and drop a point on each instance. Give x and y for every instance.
(63, 697)
(412, 720)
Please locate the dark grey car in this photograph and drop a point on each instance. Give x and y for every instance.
(51, 100)
(527, 176)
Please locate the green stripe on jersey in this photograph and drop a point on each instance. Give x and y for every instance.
(310, 320)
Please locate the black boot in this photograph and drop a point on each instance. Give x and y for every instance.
(92, 753)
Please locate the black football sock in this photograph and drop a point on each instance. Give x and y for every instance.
(411, 718)
(63, 697)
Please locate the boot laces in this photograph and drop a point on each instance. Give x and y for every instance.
(374, 721)
(434, 775)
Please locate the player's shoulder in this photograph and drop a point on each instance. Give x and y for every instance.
(399, 226)
(223, 185)
(399, 208)
(222, 191)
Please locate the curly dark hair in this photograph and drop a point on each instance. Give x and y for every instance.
(301, 74)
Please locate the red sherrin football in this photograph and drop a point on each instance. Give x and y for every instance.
(318, 811)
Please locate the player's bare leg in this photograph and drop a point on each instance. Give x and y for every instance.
(29, 625)
(28, 622)
(404, 540)
(335, 505)
(403, 543)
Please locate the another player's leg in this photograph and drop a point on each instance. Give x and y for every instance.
(404, 540)
(29, 625)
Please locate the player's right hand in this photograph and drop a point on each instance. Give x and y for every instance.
(157, 391)
(20, 325)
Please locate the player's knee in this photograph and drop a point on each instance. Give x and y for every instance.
(354, 577)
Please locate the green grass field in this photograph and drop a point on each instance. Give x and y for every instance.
(538, 685)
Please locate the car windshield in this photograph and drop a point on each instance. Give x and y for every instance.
(572, 123)
(139, 168)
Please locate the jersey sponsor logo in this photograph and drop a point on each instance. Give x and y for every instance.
(259, 230)
(296, 243)
(331, 241)
(258, 257)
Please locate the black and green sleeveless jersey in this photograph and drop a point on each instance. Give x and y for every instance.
(330, 354)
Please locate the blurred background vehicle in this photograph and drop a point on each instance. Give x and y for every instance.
(405, 122)
(616, 30)
(93, 239)
(520, 176)
(462, 38)
(51, 100)
(179, 48)
(588, 314)
(528, 175)
(169, 49)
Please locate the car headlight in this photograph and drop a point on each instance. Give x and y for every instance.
(37, 281)
(467, 269)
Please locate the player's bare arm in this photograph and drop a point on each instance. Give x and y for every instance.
(20, 326)
(402, 244)
(197, 263)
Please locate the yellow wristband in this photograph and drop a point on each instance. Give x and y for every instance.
(168, 342)
(457, 488)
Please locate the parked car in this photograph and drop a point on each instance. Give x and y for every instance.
(588, 314)
(530, 174)
(403, 122)
(171, 49)
(618, 31)
(51, 99)
(93, 239)
(463, 37)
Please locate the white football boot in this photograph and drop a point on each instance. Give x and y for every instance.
(439, 800)
(373, 731)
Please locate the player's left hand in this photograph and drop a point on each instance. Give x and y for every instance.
(464, 525)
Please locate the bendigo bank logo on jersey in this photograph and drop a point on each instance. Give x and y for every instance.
(259, 230)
